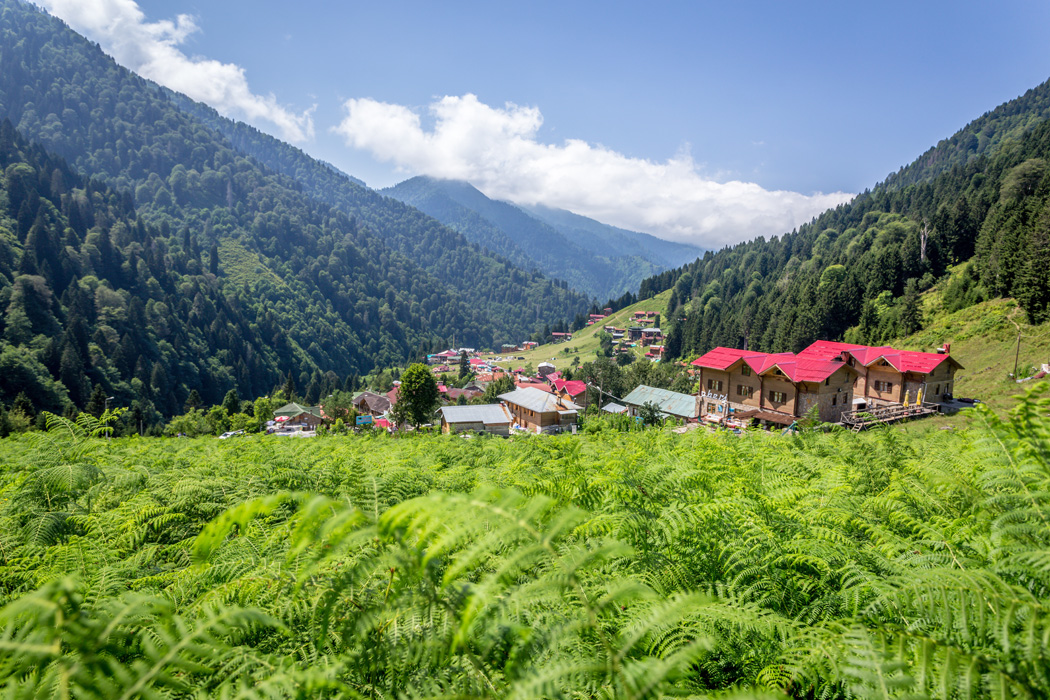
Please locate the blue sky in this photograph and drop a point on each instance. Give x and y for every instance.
(706, 122)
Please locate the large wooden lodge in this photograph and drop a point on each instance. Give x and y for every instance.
(839, 379)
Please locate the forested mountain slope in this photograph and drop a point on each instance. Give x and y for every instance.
(320, 292)
(857, 270)
(986, 134)
(600, 260)
(463, 262)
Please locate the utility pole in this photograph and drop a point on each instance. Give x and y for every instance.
(1017, 354)
(108, 399)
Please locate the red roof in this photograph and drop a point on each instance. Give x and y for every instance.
(573, 387)
(900, 360)
(454, 394)
(829, 348)
(723, 358)
(797, 368)
(542, 386)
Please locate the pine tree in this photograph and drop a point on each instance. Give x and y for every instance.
(96, 405)
(231, 402)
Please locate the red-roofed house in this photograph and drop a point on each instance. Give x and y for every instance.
(774, 387)
(572, 390)
(542, 386)
(886, 375)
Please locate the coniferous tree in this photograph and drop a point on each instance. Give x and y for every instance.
(193, 401)
(96, 405)
(231, 402)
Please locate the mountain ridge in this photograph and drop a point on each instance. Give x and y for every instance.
(602, 260)
(350, 294)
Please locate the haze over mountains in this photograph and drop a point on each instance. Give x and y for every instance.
(600, 260)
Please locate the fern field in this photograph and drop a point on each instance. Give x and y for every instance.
(633, 565)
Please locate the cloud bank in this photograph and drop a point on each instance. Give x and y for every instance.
(151, 49)
(497, 150)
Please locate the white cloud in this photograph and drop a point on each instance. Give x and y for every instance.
(152, 50)
(497, 150)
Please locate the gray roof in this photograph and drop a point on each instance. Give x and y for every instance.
(293, 409)
(673, 403)
(489, 414)
(537, 400)
(613, 407)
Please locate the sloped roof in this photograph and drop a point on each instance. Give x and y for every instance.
(613, 407)
(489, 414)
(541, 386)
(536, 400)
(469, 392)
(900, 360)
(574, 387)
(293, 409)
(723, 358)
(374, 402)
(671, 402)
(830, 348)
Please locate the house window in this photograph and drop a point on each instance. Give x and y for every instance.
(827, 381)
(713, 385)
(835, 400)
(777, 396)
(745, 370)
(883, 386)
(744, 390)
(937, 390)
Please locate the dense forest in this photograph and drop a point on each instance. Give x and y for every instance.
(639, 564)
(126, 221)
(857, 271)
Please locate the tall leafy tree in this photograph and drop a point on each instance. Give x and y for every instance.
(419, 394)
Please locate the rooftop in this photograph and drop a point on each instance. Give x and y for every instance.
(489, 414)
(537, 400)
(670, 402)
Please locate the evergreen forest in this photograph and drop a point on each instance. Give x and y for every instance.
(142, 252)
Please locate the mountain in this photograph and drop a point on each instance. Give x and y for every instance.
(974, 224)
(988, 133)
(600, 260)
(244, 272)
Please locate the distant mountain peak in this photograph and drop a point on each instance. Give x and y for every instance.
(601, 260)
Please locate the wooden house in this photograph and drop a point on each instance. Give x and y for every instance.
(296, 414)
(371, 404)
(572, 390)
(540, 412)
(772, 387)
(886, 375)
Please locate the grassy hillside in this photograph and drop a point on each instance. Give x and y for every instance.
(585, 342)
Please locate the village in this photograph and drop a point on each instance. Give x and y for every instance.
(854, 386)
